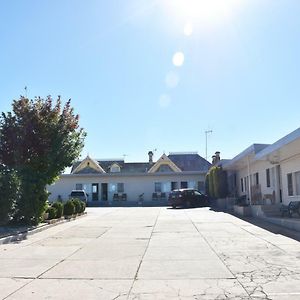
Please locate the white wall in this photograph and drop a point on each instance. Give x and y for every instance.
(289, 166)
(259, 167)
(133, 185)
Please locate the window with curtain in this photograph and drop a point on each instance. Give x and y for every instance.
(157, 187)
(290, 184)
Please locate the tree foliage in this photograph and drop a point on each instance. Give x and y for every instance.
(217, 182)
(38, 139)
(9, 186)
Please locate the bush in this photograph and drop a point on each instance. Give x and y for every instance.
(52, 211)
(83, 206)
(60, 209)
(69, 208)
(9, 188)
(77, 204)
(217, 182)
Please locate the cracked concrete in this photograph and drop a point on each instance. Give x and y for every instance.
(152, 253)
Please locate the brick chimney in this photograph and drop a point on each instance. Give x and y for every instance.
(213, 159)
(150, 154)
(217, 155)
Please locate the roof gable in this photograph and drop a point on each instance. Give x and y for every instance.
(88, 164)
(164, 161)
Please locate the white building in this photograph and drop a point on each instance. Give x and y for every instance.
(267, 174)
(115, 181)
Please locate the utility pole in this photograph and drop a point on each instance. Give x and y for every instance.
(206, 133)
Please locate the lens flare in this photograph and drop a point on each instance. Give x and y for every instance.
(178, 59)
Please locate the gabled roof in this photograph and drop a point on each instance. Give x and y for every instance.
(186, 162)
(164, 160)
(88, 165)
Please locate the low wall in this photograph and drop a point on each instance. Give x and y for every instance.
(257, 211)
(244, 211)
(224, 203)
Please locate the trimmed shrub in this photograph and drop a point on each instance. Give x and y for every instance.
(83, 206)
(77, 204)
(60, 209)
(52, 211)
(69, 208)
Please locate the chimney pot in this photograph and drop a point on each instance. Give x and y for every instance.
(150, 154)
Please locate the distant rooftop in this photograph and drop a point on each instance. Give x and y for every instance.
(183, 153)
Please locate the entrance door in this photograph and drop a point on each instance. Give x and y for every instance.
(95, 191)
(278, 185)
(104, 191)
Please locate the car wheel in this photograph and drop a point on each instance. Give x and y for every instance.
(173, 206)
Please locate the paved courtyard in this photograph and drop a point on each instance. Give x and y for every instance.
(152, 253)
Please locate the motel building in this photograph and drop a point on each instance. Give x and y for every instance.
(114, 181)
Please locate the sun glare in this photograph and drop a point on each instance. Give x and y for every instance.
(201, 10)
(178, 59)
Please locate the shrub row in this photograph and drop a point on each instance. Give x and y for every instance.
(70, 207)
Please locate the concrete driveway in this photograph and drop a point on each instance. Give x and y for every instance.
(152, 253)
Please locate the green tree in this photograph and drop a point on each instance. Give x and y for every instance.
(9, 185)
(38, 139)
(217, 182)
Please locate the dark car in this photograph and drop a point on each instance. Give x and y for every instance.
(187, 198)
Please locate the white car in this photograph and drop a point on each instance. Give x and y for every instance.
(79, 194)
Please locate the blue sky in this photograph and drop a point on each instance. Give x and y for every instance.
(240, 75)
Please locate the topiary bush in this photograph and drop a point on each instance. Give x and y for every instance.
(60, 209)
(69, 208)
(77, 204)
(83, 206)
(52, 212)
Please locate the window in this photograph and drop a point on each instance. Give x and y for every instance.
(164, 168)
(157, 187)
(246, 183)
(174, 185)
(290, 184)
(184, 184)
(242, 185)
(120, 187)
(115, 168)
(297, 183)
(268, 177)
(78, 186)
(116, 187)
(256, 178)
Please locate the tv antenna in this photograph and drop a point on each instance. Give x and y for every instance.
(206, 133)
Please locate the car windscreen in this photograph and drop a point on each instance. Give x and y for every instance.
(77, 194)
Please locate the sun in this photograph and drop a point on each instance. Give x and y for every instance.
(201, 10)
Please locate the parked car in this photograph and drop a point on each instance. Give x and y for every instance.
(79, 194)
(187, 198)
